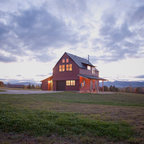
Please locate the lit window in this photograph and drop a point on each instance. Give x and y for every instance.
(50, 81)
(69, 67)
(63, 60)
(60, 68)
(72, 82)
(89, 67)
(68, 83)
(67, 60)
(63, 67)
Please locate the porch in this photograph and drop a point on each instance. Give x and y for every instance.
(90, 83)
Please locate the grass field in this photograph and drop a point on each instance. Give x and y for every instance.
(2, 90)
(71, 117)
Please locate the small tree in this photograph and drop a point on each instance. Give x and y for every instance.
(113, 89)
(1, 84)
(106, 88)
(29, 86)
(139, 90)
(33, 87)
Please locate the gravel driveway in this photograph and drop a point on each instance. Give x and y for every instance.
(27, 92)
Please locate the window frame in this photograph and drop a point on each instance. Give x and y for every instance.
(61, 68)
(70, 82)
(67, 60)
(88, 67)
(68, 67)
(63, 60)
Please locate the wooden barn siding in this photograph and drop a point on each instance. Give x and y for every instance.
(44, 85)
(87, 84)
(66, 75)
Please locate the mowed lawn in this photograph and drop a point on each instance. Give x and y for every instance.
(71, 117)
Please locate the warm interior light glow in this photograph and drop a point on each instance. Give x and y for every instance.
(63, 60)
(89, 67)
(61, 68)
(50, 81)
(67, 60)
(69, 67)
(70, 82)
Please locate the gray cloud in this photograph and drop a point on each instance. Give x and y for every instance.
(35, 30)
(140, 76)
(122, 39)
(44, 57)
(138, 15)
(7, 59)
(38, 28)
(41, 27)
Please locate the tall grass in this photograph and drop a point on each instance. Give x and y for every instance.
(39, 123)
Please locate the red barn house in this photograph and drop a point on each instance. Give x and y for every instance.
(73, 73)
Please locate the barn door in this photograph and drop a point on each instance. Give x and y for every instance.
(60, 85)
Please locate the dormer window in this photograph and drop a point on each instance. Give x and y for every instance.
(63, 60)
(88, 67)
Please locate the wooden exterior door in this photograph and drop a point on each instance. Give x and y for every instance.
(60, 85)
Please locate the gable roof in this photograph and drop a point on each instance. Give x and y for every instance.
(49, 78)
(81, 62)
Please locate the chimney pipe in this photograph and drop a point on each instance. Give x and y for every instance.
(88, 58)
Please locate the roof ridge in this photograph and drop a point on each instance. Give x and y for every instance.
(77, 56)
(79, 60)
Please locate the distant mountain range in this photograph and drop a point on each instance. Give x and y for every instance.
(121, 84)
(24, 83)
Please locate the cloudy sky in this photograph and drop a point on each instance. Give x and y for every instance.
(34, 34)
